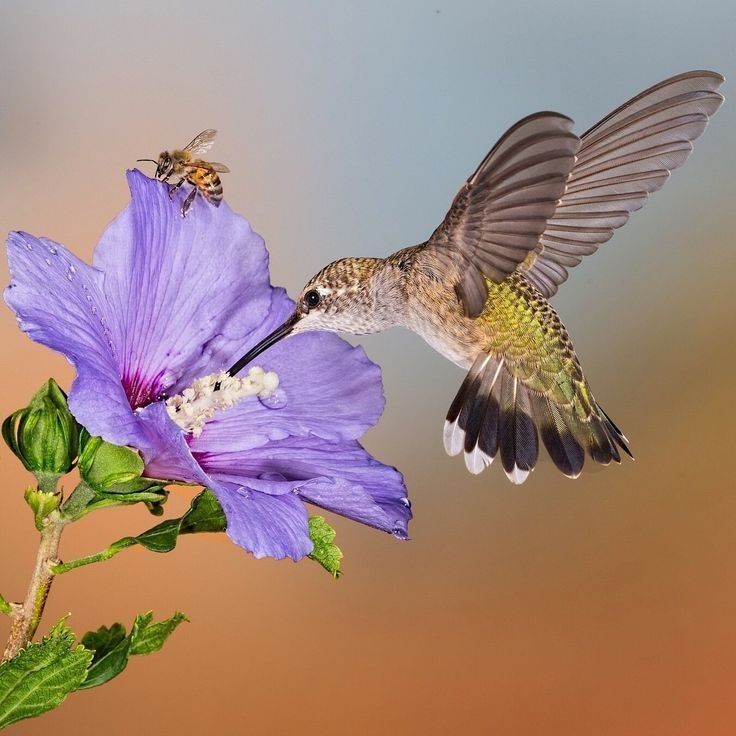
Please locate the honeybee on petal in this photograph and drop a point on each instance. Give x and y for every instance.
(189, 168)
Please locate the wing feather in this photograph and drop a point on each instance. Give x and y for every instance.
(499, 214)
(623, 158)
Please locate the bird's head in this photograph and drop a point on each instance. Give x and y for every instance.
(350, 295)
(340, 298)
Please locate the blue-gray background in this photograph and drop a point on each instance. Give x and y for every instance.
(602, 606)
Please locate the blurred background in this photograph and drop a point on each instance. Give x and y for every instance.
(600, 606)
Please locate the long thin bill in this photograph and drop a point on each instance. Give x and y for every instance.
(279, 333)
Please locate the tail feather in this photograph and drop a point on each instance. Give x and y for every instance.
(495, 412)
(454, 431)
(565, 451)
(517, 433)
(615, 433)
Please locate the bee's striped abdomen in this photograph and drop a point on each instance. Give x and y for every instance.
(208, 184)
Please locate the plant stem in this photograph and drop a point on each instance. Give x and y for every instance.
(27, 618)
(106, 554)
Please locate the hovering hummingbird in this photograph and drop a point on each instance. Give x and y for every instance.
(477, 290)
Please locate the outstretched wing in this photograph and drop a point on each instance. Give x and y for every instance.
(623, 158)
(202, 143)
(499, 214)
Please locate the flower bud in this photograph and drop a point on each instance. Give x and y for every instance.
(44, 435)
(105, 467)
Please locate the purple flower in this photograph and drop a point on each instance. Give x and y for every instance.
(169, 300)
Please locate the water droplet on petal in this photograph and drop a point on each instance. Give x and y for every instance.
(72, 269)
(406, 502)
(69, 276)
(400, 533)
(272, 476)
(94, 309)
(53, 250)
(277, 400)
(29, 246)
(48, 262)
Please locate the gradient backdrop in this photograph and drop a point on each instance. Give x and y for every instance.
(601, 606)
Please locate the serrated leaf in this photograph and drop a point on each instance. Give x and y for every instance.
(148, 636)
(110, 648)
(104, 639)
(325, 552)
(40, 676)
(42, 504)
(5, 607)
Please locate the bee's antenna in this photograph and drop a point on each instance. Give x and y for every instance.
(147, 159)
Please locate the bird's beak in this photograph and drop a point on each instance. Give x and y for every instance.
(280, 332)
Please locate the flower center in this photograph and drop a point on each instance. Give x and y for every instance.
(195, 405)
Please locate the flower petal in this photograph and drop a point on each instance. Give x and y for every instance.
(340, 477)
(165, 450)
(59, 303)
(187, 293)
(266, 526)
(332, 390)
(276, 529)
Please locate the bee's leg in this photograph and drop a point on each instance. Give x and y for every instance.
(188, 202)
(174, 187)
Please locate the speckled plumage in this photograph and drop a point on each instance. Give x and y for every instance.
(477, 290)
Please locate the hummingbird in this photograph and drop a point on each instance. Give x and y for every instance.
(477, 290)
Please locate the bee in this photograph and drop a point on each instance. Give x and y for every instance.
(185, 164)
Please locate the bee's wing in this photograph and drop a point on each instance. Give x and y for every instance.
(209, 166)
(202, 143)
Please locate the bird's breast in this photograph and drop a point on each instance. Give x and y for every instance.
(516, 323)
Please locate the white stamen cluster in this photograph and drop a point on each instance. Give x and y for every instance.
(194, 406)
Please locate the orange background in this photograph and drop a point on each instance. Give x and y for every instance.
(600, 606)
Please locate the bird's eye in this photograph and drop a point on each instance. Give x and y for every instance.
(312, 298)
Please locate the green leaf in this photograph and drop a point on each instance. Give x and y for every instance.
(110, 648)
(162, 537)
(5, 607)
(40, 676)
(325, 552)
(204, 515)
(42, 504)
(148, 637)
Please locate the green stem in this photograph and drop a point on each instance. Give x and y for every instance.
(47, 481)
(27, 617)
(106, 554)
(76, 504)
